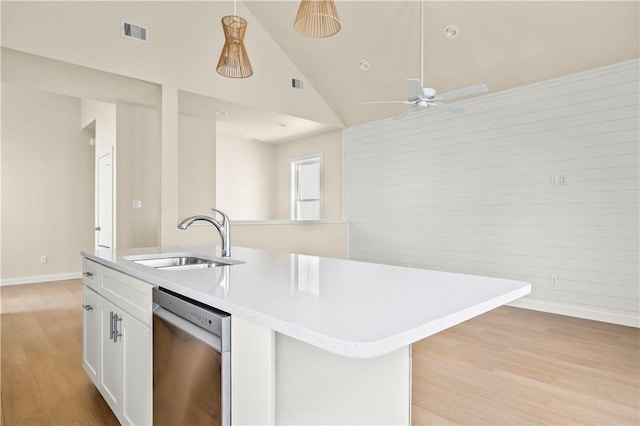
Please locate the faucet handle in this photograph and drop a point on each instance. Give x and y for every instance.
(225, 218)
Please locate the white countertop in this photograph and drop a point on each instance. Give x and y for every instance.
(353, 309)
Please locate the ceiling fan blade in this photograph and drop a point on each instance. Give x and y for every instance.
(415, 88)
(480, 88)
(446, 107)
(386, 102)
(406, 112)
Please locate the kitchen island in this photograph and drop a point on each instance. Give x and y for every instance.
(321, 340)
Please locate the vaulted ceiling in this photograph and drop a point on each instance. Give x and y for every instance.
(502, 44)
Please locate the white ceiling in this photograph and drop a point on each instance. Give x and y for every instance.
(235, 121)
(502, 44)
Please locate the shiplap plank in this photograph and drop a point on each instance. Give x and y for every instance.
(504, 270)
(447, 245)
(432, 239)
(473, 193)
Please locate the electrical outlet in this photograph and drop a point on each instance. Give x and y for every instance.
(553, 180)
(563, 179)
(555, 280)
(43, 259)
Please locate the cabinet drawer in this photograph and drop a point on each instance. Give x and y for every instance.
(130, 294)
(91, 274)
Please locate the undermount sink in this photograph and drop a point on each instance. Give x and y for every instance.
(180, 261)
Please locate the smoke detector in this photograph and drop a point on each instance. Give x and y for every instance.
(451, 31)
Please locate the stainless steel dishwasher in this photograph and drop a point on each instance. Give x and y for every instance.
(191, 362)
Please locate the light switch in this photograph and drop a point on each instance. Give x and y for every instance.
(137, 204)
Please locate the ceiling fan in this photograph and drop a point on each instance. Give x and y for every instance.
(423, 97)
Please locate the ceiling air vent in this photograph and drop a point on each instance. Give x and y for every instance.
(134, 31)
(297, 84)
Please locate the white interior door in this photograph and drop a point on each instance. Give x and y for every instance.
(104, 198)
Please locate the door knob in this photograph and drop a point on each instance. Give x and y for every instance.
(98, 228)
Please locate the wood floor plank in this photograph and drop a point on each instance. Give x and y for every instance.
(21, 402)
(420, 416)
(515, 366)
(70, 411)
(97, 406)
(42, 379)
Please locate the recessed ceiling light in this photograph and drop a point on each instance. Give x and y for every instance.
(247, 135)
(221, 113)
(281, 125)
(451, 31)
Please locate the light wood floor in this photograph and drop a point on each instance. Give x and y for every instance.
(509, 367)
(42, 377)
(515, 366)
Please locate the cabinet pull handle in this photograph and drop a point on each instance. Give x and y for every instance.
(111, 325)
(87, 307)
(88, 274)
(116, 333)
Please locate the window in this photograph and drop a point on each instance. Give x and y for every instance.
(306, 188)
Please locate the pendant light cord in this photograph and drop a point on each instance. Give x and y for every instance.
(234, 8)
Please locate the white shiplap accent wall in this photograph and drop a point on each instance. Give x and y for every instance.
(471, 193)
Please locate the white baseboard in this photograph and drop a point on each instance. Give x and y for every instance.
(567, 309)
(40, 279)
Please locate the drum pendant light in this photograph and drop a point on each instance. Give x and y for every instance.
(317, 19)
(234, 61)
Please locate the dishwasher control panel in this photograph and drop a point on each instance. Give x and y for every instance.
(204, 316)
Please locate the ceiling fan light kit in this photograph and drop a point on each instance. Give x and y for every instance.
(234, 61)
(317, 19)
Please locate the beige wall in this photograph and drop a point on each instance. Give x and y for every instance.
(47, 184)
(196, 166)
(102, 117)
(330, 146)
(134, 131)
(253, 177)
(245, 179)
(138, 176)
(315, 239)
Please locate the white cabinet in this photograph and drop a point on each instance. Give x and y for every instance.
(117, 341)
(280, 380)
(137, 398)
(111, 372)
(91, 333)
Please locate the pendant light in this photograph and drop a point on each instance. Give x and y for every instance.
(317, 18)
(234, 61)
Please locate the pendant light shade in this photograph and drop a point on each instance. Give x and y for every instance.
(234, 61)
(317, 18)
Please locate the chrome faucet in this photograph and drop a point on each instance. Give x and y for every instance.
(223, 229)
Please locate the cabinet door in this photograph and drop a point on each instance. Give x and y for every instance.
(136, 341)
(111, 357)
(91, 333)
